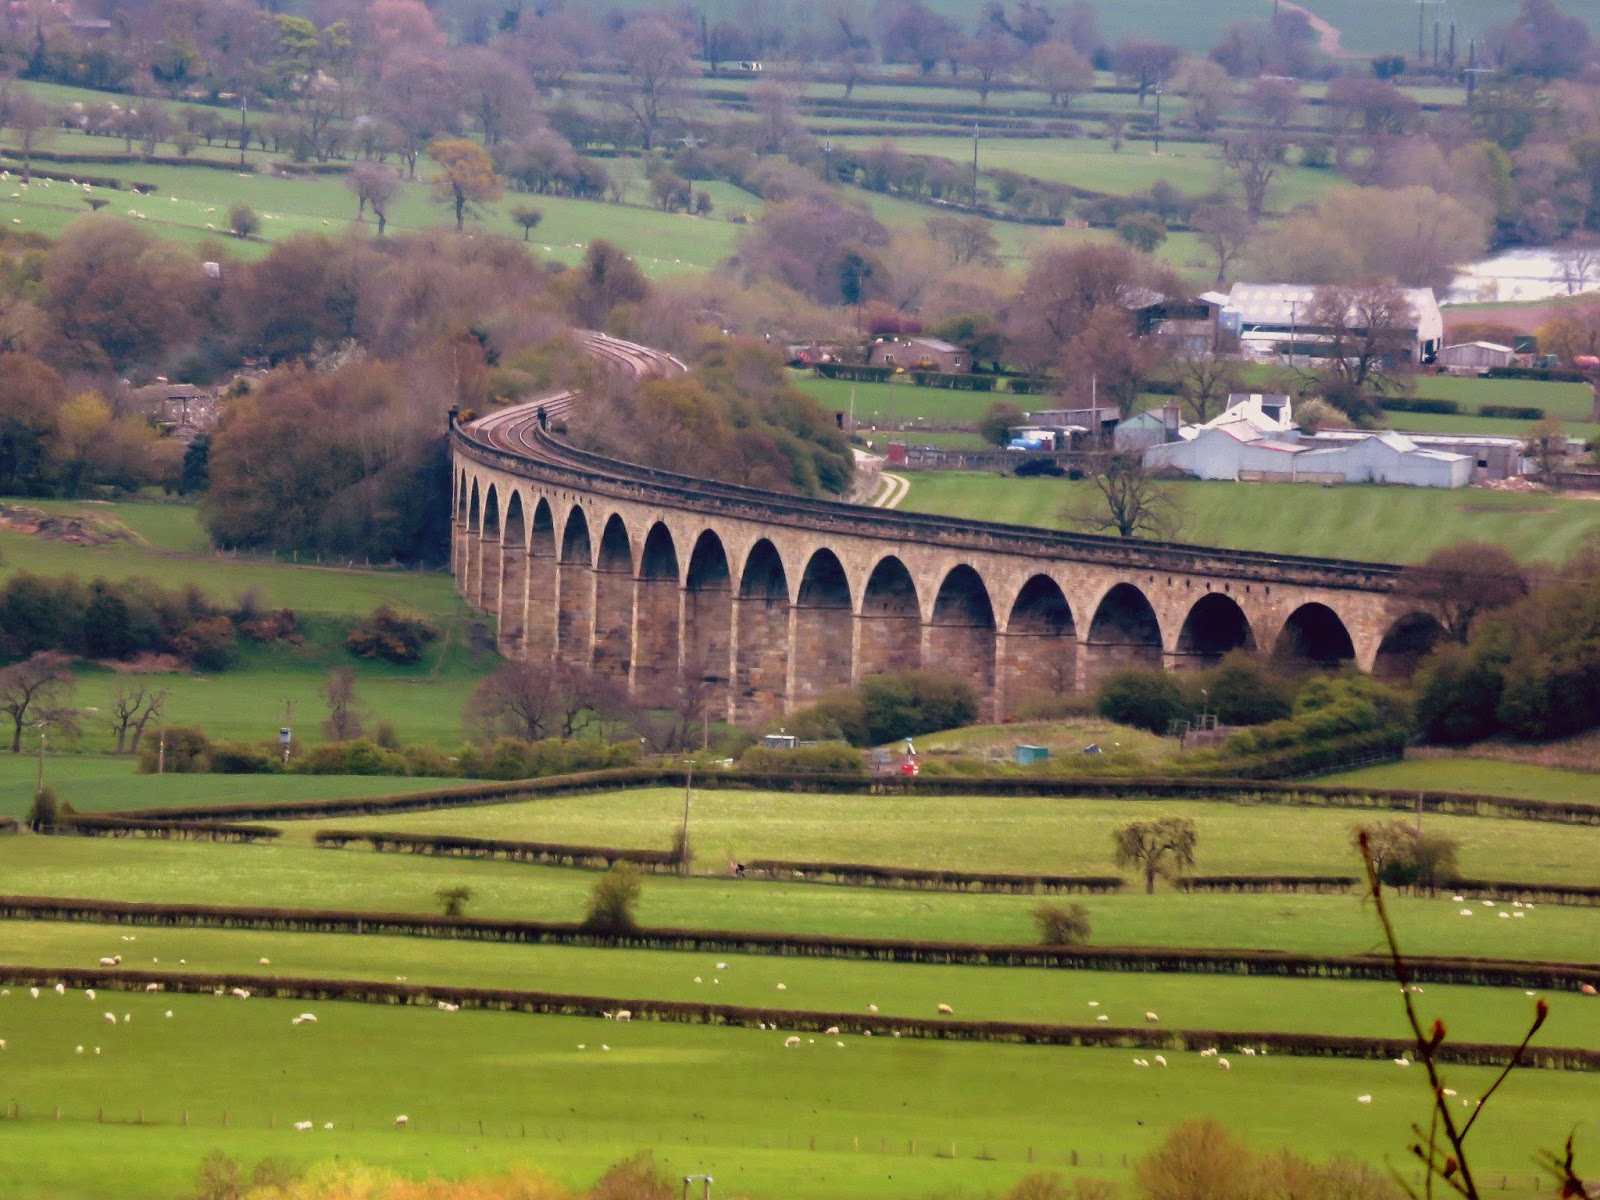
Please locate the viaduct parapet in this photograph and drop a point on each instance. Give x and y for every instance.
(767, 601)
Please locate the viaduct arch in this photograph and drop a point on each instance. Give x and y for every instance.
(770, 600)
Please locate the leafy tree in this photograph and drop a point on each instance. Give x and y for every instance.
(1062, 924)
(613, 900)
(44, 814)
(1144, 698)
(1243, 690)
(1144, 64)
(374, 185)
(998, 420)
(1143, 231)
(606, 278)
(1162, 848)
(453, 900)
(1404, 856)
(1128, 500)
(243, 221)
(527, 217)
(466, 176)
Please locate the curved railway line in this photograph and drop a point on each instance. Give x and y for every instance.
(519, 486)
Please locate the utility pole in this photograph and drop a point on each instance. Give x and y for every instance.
(1422, 54)
(244, 128)
(1158, 118)
(974, 166)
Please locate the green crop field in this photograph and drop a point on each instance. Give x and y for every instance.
(1352, 521)
(986, 833)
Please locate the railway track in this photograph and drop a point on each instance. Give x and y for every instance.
(518, 438)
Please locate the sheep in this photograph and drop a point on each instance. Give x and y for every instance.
(1363, 1099)
(831, 1031)
(1466, 912)
(607, 1015)
(839, 1044)
(265, 962)
(1161, 1060)
(605, 1047)
(126, 1017)
(107, 962)
(1140, 1062)
(310, 1017)
(1224, 1064)
(1250, 1051)
(783, 987)
(1587, 989)
(1402, 1062)
(946, 1011)
(97, 1049)
(303, 1126)
(168, 1014)
(79, 1050)
(294, 1020)
(111, 1018)
(1518, 915)
(866, 1033)
(241, 993)
(872, 1008)
(61, 989)
(88, 993)
(624, 1014)
(722, 966)
(1102, 1017)
(327, 1124)
(1151, 1017)
(1211, 1053)
(697, 979)
(1449, 1091)
(894, 1033)
(152, 987)
(34, 992)
(1094, 1004)
(1505, 916)
(402, 1121)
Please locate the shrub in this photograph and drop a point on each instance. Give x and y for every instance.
(1243, 690)
(188, 752)
(1457, 697)
(208, 644)
(886, 708)
(1406, 857)
(391, 636)
(1514, 412)
(1144, 698)
(45, 812)
(244, 758)
(613, 900)
(823, 758)
(1062, 924)
(453, 900)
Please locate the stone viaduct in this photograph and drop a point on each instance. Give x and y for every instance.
(771, 600)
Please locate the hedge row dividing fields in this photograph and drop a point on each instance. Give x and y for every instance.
(1229, 791)
(1567, 1058)
(1469, 972)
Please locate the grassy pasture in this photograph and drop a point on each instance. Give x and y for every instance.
(1356, 1009)
(1468, 774)
(985, 833)
(1352, 521)
(730, 1101)
(298, 876)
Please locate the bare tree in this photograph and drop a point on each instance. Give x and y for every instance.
(1457, 584)
(35, 690)
(968, 239)
(132, 707)
(1142, 65)
(1128, 500)
(1205, 380)
(1057, 68)
(655, 60)
(373, 184)
(1160, 849)
(1226, 230)
(1364, 331)
(1576, 263)
(345, 710)
(536, 700)
(1254, 159)
(34, 123)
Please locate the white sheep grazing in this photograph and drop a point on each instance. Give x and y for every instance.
(605, 1047)
(88, 993)
(1250, 1051)
(1587, 989)
(311, 1017)
(1449, 1091)
(97, 1049)
(1151, 1017)
(783, 987)
(791, 1042)
(1161, 1059)
(111, 1018)
(294, 1020)
(1363, 1099)
(1211, 1053)
(327, 1124)
(242, 993)
(265, 962)
(1102, 1017)
(624, 1015)
(107, 962)
(402, 1121)
(722, 966)
(831, 1031)
(168, 1013)
(697, 979)
(946, 1010)
(872, 1008)
(79, 1050)
(117, 958)
(34, 992)
(1224, 1064)
(61, 989)
(152, 987)
(303, 1126)
(1139, 1062)
(1402, 1062)
(126, 1017)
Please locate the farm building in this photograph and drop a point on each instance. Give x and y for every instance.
(918, 354)
(1187, 324)
(1236, 450)
(1471, 358)
(1153, 427)
(1271, 316)
(1492, 457)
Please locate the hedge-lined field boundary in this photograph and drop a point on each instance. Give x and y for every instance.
(872, 875)
(456, 846)
(1161, 787)
(1316, 884)
(106, 825)
(787, 1021)
(1468, 972)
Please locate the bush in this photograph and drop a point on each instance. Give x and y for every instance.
(1405, 857)
(1457, 697)
(1414, 404)
(1062, 924)
(389, 635)
(453, 900)
(823, 758)
(1514, 412)
(188, 752)
(45, 812)
(887, 708)
(1144, 698)
(613, 900)
(1243, 690)
(243, 758)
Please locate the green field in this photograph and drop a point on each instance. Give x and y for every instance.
(985, 833)
(1230, 1004)
(1477, 775)
(298, 876)
(730, 1101)
(1352, 521)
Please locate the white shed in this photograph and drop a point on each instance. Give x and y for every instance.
(1388, 458)
(1470, 358)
